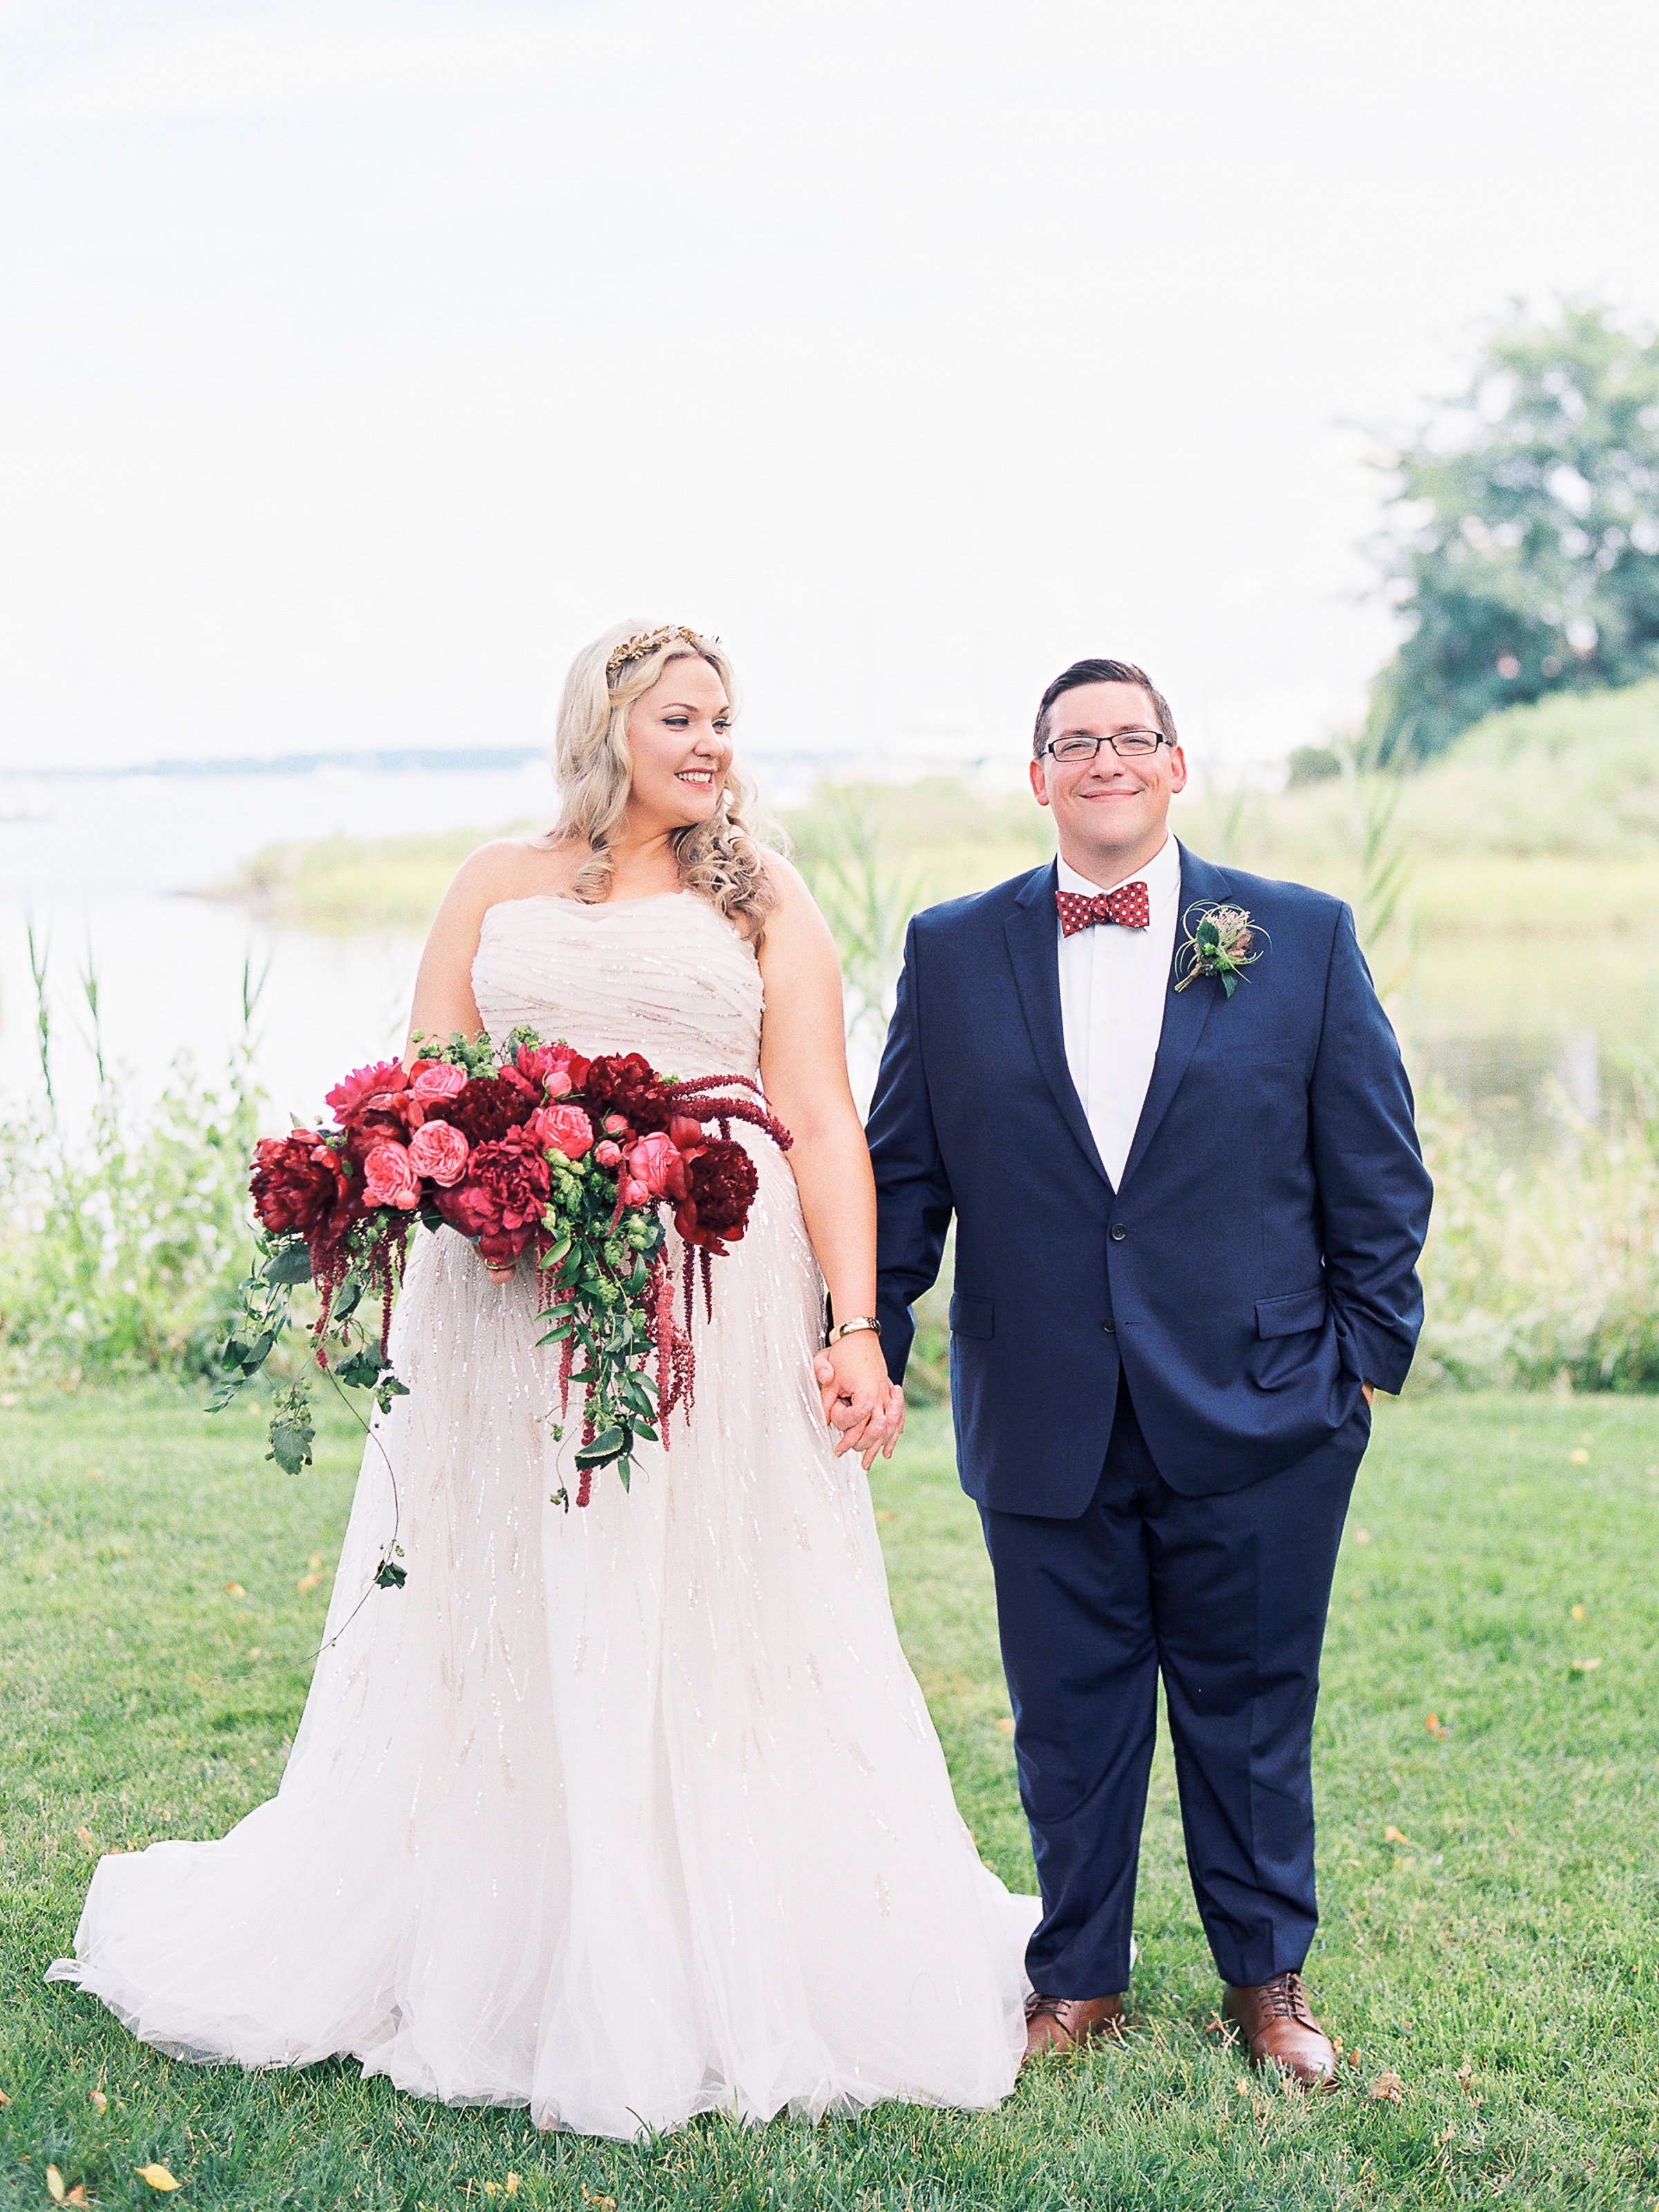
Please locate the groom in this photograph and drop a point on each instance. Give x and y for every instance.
(1188, 1225)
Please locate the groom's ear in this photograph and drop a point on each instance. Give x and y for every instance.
(1040, 781)
(1177, 769)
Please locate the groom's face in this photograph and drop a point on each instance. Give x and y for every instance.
(1108, 806)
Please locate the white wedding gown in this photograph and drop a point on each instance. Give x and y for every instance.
(622, 1813)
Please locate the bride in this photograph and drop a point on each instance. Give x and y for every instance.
(634, 1811)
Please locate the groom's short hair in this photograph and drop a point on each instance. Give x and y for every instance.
(1103, 672)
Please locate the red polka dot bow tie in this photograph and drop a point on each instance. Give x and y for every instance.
(1127, 904)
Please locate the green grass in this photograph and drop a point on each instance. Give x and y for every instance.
(1510, 1929)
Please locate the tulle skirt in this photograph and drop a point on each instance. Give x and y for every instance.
(624, 1813)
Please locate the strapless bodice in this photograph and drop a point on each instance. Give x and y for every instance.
(669, 977)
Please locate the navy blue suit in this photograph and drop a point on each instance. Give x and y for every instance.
(1157, 1387)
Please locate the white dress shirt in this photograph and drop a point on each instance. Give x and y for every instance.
(1114, 982)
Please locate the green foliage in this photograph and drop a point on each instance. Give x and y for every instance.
(121, 1243)
(1497, 1956)
(1524, 549)
(1543, 1273)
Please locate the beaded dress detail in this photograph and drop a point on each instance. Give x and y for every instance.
(625, 1814)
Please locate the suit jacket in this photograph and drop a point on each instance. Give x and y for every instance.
(1258, 1262)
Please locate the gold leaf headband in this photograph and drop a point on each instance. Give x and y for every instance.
(635, 648)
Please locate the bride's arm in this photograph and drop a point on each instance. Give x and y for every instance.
(443, 984)
(804, 1069)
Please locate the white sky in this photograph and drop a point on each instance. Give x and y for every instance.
(357, 362)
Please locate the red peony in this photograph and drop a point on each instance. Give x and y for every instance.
(487, 1107)
(502, 1201)
(439, 1151)
(300, 1184)
(363, 1082)
(723, 1186)
(626, 1083)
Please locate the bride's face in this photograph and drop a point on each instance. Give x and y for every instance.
(678, 733)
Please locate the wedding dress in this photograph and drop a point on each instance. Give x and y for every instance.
(626, 1813)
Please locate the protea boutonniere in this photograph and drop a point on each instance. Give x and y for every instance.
(1220, 941)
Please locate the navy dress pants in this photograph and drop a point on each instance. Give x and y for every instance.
(1227, 1596)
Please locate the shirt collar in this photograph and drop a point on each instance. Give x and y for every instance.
(1161, 875)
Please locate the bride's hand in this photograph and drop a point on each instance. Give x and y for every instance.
(496, 1273)
(857, 1398)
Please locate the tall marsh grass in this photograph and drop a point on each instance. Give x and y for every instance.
(122, 1239)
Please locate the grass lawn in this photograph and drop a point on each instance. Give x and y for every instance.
(1485, 1767)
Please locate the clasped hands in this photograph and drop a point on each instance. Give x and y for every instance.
(859, 1401)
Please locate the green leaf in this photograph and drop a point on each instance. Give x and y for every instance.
(390, 1576)
(362, 1370)
(605, 1446)
(291, 1439)
(288, 1263)
(347, 1299)
(624, 1468)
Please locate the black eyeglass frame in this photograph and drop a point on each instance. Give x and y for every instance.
(1158, 737)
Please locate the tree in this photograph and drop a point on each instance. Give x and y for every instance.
(1523, 544)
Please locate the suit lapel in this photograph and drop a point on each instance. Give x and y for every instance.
(1034, 947)
(1185, 1013)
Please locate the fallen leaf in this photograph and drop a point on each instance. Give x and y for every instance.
(1465, 2077)
(1579, 1458)
(307, 1583)
(157, 2176)
(234, 1589)
(1392, 1835)
(254, 1652)
(54, 2184)
(4, 2099)
(94, 1475)
(85, 1835)
(1362, 1535)
(1387, 2088)
(604, 2203)
(1585, 1666)
(99, 2101)
(78, 2196)
(1436, 1726)
(1005, 1725)
(316, 1561)
(1578, 1612)
(1241, 2087)
(1336, 2045)
(882, 1514)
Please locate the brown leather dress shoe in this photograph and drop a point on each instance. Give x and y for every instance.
(1281, 2031)
(1067, 2023)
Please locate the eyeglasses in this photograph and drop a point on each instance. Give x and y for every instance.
(1127, 744)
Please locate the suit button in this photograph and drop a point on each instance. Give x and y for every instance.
(1110, 1327)
(1119, 1232)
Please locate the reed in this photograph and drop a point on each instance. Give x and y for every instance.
(122, 1241)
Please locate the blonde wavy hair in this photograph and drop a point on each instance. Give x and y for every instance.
(719, 858)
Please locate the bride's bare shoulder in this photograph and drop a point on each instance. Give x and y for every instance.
(515, 867)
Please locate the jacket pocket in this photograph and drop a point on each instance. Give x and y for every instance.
(1290, 1315)
(972, 1316)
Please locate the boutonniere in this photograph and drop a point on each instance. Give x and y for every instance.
(1223, 942)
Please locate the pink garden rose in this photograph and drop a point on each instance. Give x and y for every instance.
(616, 1125)
(632, 1192)
(439, 1150)
(436, 1080)
(564, 1129)
(609, 1154)
(655, 1162)
(389, 1177)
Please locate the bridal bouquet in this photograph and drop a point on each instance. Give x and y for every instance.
(583, 1162)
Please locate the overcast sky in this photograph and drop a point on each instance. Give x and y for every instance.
(357, 362)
